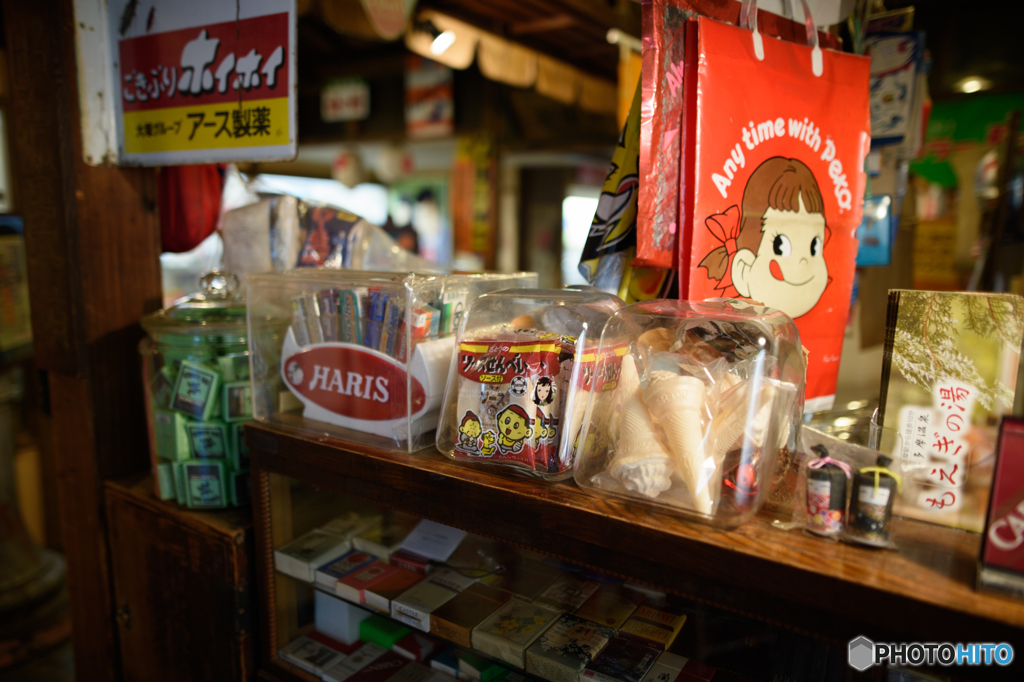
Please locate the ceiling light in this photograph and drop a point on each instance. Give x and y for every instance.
(973, 84)
(442, 42)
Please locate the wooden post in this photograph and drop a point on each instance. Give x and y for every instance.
(92, 241)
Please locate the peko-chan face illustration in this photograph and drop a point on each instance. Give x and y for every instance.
(788, 271)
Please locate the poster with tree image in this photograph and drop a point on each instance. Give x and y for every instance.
(948, 375)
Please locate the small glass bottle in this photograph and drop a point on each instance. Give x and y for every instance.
(874, 490)
(826, 494)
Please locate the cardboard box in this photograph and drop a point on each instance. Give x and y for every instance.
(610, 605)
(385, 539)
(366, 665)
(415, 606)
(654, 625)
(381, 631)
(337, 618)
(567, 593)
(330, 573)
(301, 557)
(674, 668)
(565, 648)
(455, 620)
(311, 656)
(509, 631)
(416, 647)
(528, 579)
(624, 659)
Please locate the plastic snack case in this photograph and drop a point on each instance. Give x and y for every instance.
(691, 404)
(519, 353)
(364, 355)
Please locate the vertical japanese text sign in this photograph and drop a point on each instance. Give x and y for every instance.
(203, 81)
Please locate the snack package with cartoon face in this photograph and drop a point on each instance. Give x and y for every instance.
(516, 368)
(509, 399)
(777, 177)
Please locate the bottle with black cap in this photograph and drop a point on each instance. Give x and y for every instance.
(871, 500)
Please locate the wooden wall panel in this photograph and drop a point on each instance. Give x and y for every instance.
(92, 243)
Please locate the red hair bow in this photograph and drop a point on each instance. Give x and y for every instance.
(726, 228)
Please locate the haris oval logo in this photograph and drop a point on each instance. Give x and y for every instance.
(353, 382)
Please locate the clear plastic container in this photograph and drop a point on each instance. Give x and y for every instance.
(691, 405)
(196, 373)
(364, 355)
(519, 353)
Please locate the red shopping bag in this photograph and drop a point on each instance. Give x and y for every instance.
(664, 44)
(779, 133)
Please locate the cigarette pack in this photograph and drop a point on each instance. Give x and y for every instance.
(528, 578)
(385, 538)
(328, 575)
(332, 643)
(311, 656)
(170, 435)
(206, 484)
(353, 663)
(240, 487)
(162, 386)
(237, 401)
(196, 391)
(455, 620)
(337, 618)
(237, 449)
(380, 630)
(416, 647)
(624, 659)
(510, 630)
(381, 670)
(565, 648)
(301, 557)
(351, 303)
(410, 562)
(165, 480)
(416, 672)
(207, 440)
(234, 366)
(674, 668)
(415, 606)
(567, 593)
(611, 605)
(447, 661)
(351, 524)
(473, 667)
(383, 591)
(656, 626)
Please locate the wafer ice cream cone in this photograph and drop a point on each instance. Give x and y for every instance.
(675, 402)
(641, 462)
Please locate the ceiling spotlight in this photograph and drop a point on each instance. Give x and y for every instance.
(442, 42)
(973, 84)
(442, 39)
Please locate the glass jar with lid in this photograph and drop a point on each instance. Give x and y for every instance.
(196, 372)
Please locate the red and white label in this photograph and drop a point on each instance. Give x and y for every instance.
(353, 382)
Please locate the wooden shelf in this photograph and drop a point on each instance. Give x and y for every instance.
(825, 589)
